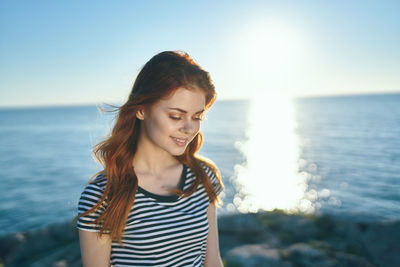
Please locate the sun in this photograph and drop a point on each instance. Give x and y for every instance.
(270, 46)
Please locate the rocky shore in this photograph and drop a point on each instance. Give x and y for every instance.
(272, 239)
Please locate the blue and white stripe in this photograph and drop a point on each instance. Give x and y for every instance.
(160, 230)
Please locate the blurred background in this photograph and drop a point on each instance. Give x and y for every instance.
(307, 118)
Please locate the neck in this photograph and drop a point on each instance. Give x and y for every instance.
(150, 158)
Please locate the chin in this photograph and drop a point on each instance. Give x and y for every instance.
(178, 152)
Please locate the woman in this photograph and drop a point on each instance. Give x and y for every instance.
(155, 202)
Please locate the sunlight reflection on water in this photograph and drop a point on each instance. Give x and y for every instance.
(270, 177)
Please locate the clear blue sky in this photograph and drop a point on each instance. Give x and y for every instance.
(77, 52)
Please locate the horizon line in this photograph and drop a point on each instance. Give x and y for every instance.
(88, 104)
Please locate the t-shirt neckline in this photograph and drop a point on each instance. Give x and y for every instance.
(171, 198)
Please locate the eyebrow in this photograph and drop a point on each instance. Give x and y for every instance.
(184, 111)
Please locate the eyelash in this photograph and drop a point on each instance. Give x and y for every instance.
(178, 118)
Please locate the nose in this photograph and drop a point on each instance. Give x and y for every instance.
(188, 126)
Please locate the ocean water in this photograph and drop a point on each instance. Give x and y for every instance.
(353, 147)
(347, 153)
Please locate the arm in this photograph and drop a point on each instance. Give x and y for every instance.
(213, 258)
(95, 251)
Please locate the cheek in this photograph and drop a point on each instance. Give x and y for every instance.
(164, 126)
(154, 129)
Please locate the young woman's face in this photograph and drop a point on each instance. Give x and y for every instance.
(171, 123)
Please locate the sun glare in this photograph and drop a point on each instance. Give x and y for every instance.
(271, 52)
(270, 177)
(268, 54)
(276, 46)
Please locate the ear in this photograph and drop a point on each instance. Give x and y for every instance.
(140, 113)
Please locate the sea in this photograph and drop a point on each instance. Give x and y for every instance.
(337, 155)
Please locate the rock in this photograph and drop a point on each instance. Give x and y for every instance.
(289, 228)
(9, 244)
(55, 245)
(240, 224)
(263, 239)
(381, 242)
(301, 254)
(239, 229)
(326, 226)
(350, 260)
(255, 256)
(376, 242)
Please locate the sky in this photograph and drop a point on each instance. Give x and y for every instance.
(87, 52)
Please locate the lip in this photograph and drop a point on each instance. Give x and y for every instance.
(179, 141)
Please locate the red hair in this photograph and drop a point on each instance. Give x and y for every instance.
(159, 77)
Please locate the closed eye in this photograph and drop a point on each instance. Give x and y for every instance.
(175, 118)
(178, 118)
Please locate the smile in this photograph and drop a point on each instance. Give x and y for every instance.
(179, 141)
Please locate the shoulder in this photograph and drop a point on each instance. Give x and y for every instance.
(90, 197)
(213, 173)
(209, 167)
(97, 183)
(93, 191)
(99, 179)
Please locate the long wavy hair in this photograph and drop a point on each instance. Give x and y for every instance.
(159, 77)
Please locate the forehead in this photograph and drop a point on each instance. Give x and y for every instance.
(187, 99)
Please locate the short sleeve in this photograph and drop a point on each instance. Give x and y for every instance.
(214, 180)
(90, 196)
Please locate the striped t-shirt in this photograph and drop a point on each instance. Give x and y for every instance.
(160, 230)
